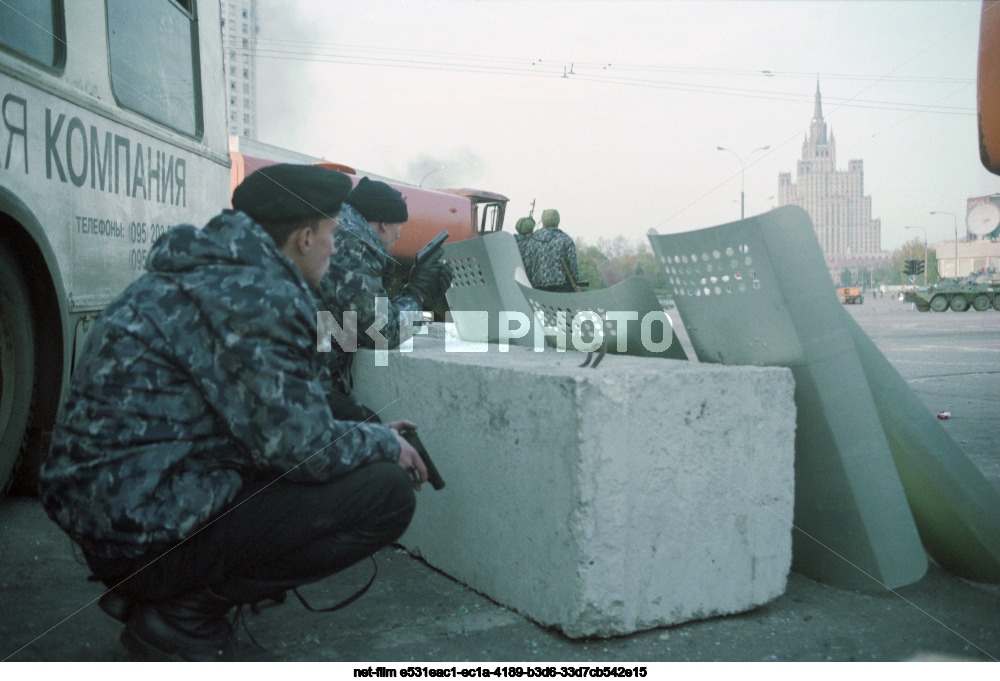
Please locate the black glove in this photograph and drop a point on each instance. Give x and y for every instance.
(428, 280)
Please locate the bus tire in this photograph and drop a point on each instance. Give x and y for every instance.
(17, 363)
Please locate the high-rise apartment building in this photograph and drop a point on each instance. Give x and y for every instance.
(834, 199)
(239, 43)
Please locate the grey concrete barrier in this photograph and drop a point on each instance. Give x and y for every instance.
(641, 494)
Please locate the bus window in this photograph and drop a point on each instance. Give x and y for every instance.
(33, 30)
(140, 32)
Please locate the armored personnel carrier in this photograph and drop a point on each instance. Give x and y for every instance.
(957, 295)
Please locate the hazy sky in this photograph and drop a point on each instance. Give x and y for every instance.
(627, 141)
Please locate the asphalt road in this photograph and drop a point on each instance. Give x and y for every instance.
(414, 613)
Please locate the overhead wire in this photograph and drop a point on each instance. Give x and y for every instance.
(515, 67)
(625, 75)
(285, 45)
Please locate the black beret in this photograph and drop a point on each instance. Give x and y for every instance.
(378, 202)
(287, 192)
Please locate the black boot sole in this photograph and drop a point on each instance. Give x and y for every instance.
(143, 651)
(147, 645)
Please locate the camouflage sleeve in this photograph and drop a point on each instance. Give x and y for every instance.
(353, 287)
(261, 377)
(571, 260)
(307, 441)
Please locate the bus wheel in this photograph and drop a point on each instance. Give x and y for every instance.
(17, 363)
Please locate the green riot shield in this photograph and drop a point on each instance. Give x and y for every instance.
(485, 300)
(757, 292)
(956, 509)
(626, 318)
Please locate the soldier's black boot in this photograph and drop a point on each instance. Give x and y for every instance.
(192, 627)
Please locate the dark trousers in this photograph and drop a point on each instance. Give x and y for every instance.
(275, 537)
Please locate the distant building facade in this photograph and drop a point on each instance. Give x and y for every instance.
(978, 254)
(239, 48)
(968, 258)
(834, 199)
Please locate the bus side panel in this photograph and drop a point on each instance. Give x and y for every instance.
(86, 186)
(102, 191)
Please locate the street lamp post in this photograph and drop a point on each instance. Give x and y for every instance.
(421, 183)
(743, 168)
(925, 249)
(751, 207)
(955, 219)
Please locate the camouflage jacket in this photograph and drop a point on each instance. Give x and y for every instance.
(202, 375)
(542, 259)
(524, 245)
(358, 276)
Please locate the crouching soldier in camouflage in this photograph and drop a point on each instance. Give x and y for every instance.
(196, 460)
(356, 284)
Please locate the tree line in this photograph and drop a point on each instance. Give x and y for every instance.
(607, 261)
(894, 273)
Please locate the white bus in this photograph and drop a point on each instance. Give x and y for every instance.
(112, 130)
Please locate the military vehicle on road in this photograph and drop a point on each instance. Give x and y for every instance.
(957, 295)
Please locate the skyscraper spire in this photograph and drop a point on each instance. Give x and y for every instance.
(817, 127)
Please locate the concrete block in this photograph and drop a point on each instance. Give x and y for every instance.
(643, 493)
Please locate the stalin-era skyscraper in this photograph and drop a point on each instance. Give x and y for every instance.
(834, 199)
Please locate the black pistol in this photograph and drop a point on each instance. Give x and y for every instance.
(431, 248)
(433, 477)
